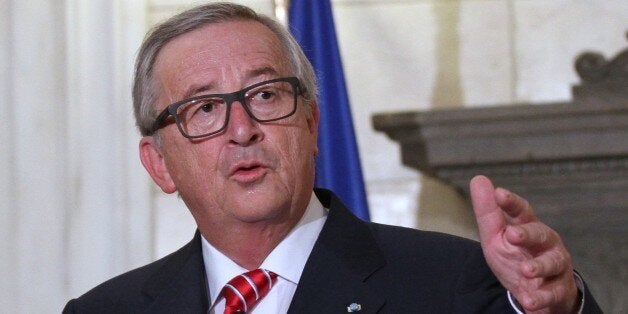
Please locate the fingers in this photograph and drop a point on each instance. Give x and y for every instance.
(526, 255)
(487, 213)
(558, 295)
(547, 255)
(494, 208)
(516, 208)
(534, 236)
(543, 298)
(547, 265)
(546, 271)
(548, 274)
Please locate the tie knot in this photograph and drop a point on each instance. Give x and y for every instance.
(244, 291)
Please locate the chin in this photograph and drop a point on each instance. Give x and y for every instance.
(255, 214)
(267, 199)
(255, 207)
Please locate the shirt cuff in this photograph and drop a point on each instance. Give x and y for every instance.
(579, 284)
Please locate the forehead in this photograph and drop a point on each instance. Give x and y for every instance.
(216, 55)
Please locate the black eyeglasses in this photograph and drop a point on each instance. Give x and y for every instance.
(206, 115)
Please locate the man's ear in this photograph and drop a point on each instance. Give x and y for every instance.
(154, 163)
(312, 122)
(313, 116)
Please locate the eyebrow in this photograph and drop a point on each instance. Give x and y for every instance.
(262, 71)
(197, 89)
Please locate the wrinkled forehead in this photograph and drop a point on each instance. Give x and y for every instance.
(220, 51)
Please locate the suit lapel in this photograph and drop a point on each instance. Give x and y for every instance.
(335, 275)
(337, 271)
(180, 285)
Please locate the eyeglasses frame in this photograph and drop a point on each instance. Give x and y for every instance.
(229, 98)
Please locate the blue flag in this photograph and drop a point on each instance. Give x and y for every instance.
(338, 162)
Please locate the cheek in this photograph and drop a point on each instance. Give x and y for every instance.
(299, 152)
(193, 165)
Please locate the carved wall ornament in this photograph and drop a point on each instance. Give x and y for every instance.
(601, 77)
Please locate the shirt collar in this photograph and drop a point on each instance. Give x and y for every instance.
(287, 259)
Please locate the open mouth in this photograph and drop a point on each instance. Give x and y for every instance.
(248, 172)
(246, 169)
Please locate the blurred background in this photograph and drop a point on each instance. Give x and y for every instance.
(77, 207)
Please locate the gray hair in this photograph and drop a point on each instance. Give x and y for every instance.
(145, 89)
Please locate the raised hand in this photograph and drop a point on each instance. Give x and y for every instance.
(527, 256)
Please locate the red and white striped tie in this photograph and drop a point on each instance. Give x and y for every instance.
(244, 291)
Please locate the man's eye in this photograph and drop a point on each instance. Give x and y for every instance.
(264, 95)
(207, 107)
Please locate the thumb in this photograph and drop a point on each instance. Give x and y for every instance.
(488, 215)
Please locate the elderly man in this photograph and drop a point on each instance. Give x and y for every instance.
(226, 103)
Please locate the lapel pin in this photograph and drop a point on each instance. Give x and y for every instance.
(354, 307)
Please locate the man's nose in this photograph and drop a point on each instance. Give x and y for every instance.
(241, 127)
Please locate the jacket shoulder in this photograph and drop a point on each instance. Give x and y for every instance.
(440, 252)
(132, 289)
(408, 242)
(446, 269)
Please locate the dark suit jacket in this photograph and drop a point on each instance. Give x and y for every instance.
(383, 268)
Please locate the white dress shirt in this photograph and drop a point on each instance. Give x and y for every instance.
(287, 260)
